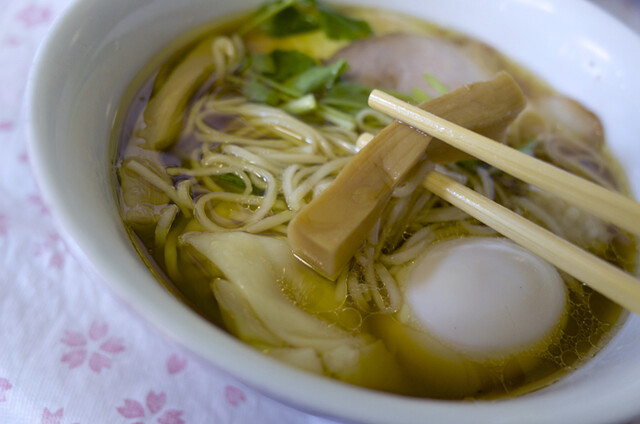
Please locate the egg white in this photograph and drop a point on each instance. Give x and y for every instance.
(484, 297)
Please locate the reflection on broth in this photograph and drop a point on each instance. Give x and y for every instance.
(235, 128)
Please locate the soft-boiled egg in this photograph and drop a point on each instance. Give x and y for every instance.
(485, 297)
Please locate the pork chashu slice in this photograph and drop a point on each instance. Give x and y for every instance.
(400, 61)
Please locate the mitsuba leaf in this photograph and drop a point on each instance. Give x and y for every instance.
(340, 27)
(263, 63)
(230, 181)
(257, 91)
(529, 147)
(283, 18)
(348, 95)
(288, 63)
(468, 165)
(318, 77)
(265, 14)
(293, 20)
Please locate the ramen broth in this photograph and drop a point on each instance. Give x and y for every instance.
(218, 148)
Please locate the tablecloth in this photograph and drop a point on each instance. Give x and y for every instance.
(70, 351)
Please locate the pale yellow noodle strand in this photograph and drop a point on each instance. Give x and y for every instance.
(207, 134)
(182, 192)
(356, 293)
(301, 191)
(405, 254)
(445, 214)
(227, 54)
(321, 186)
(200, 205)
(393, 292)
(159, 183)
(540, 214)
(270, 222)
(286, 157)
(365, 260)
(367, 114)
(266, 116)
(378, 300)
(478, 230)
(212, 170)
(246, 155)
(194, 116)
(167, 216)
(341, 138)
(287, 185)
(341, 287)
(454, 175)
(487, 183)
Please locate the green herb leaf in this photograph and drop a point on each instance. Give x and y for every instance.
(265, 14)
(283, 18)
(288, 63)
(257, 91)
(293, 20)
(233, 183)
(318, 77)
(529, 147)
(348, 95)
(419, 95)
(263, 63)
(468, 165)
(230, 182)
(340, 27)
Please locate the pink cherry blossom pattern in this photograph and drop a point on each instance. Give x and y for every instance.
(6, 126)
(54, 247)
(98, 361)
(75, 358)
(11, 41)
(33, 15)
(56, 261)
(155, 403)
(24, 157)
(4, 387)
(234, 395)
(171, 416)
(37, 201)
(4, 224)
(49, 417)
(175, 364)
(131, 409)
(96, 346)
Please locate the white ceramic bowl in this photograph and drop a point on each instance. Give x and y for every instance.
(95, 50)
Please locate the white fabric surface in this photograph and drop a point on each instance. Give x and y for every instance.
(70, 351)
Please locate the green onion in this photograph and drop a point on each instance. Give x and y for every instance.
(419, 95)
(435, 83)
(529, 147)
(304, 104)
(337, 117)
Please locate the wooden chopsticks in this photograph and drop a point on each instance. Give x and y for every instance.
(603, 277)
(600, 275)
(607, 205)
